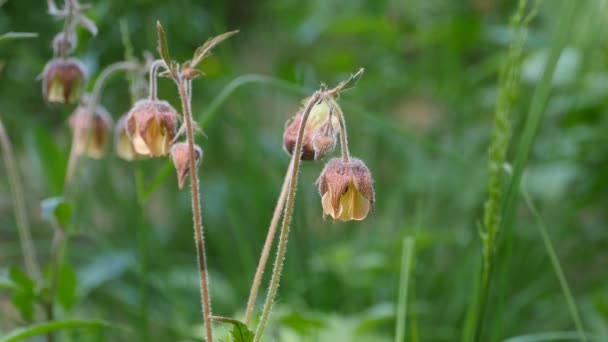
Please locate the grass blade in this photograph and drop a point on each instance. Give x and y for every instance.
(406, 263)
(557, 268)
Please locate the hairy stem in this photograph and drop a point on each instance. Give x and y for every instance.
(274, 222)
(343, 137)
(182, 85)
(91, 104)
(23, 226)
(278, 263)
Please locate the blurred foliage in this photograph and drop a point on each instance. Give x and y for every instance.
(420, 117)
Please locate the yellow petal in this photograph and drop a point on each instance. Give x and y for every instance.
(139, 144)
(326, 203)
(353, 205)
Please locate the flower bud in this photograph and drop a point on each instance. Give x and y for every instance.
(92, 133)
(180, 155)
(122, 144)
(62, 80)
(346, 189)
(152, 125)
(321, 126)
(64, 46)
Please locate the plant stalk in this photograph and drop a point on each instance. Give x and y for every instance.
(274, 222)
(23, 226)
(196, 209)
(278, 264)
(343, 136)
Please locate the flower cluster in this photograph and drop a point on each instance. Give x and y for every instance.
(345, 184)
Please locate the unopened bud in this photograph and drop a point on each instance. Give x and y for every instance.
(62, 80)
(122, 144)
(180, 155)
(152, 125)
(92, 133)
(321, 126)
(61, 45)
(346, 189)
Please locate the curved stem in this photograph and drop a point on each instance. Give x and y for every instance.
(91, 104)
(274, 222)
(153, 78)
(278, 263)
(182, 85)
(23, 226)
(67, 27)
(343, 137)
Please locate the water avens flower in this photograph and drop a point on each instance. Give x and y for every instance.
(92, 133)
(180, 155)
(320, 133)
(152, 125)
(62, 80)
(346, 189)
(122, 144)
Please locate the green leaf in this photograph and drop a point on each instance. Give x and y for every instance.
(24, 302)
(55, 208)
(163, 47)
(66, 286)
(350, 83)
(21, 334)
(21, 279)
(204, 50)
(239, 332)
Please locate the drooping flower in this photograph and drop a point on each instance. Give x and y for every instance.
(122, 144)
(92, 132)
(62, 80)
(152, 125)
(180, 155)
(320, 133)
(346, 189)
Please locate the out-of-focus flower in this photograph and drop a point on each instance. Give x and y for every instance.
(346, 189)
(62, 80)
(320, 133)
(180, 155)
(92, 133)
(152, 125)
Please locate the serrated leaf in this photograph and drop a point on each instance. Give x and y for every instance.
(204, 50)
(239, 332)
(55, 208)
(163, 47)
(22, 280)
(66, 286)
(351, 82)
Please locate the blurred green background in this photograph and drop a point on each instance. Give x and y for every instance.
(420, 118)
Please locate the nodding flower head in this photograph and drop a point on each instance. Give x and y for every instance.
(152, 125)
(180, 155)
(122, 144)
(92, 133)
(346, 190)
(320, 133)
(62, 80)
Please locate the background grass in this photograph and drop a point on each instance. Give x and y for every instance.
(421, 119)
